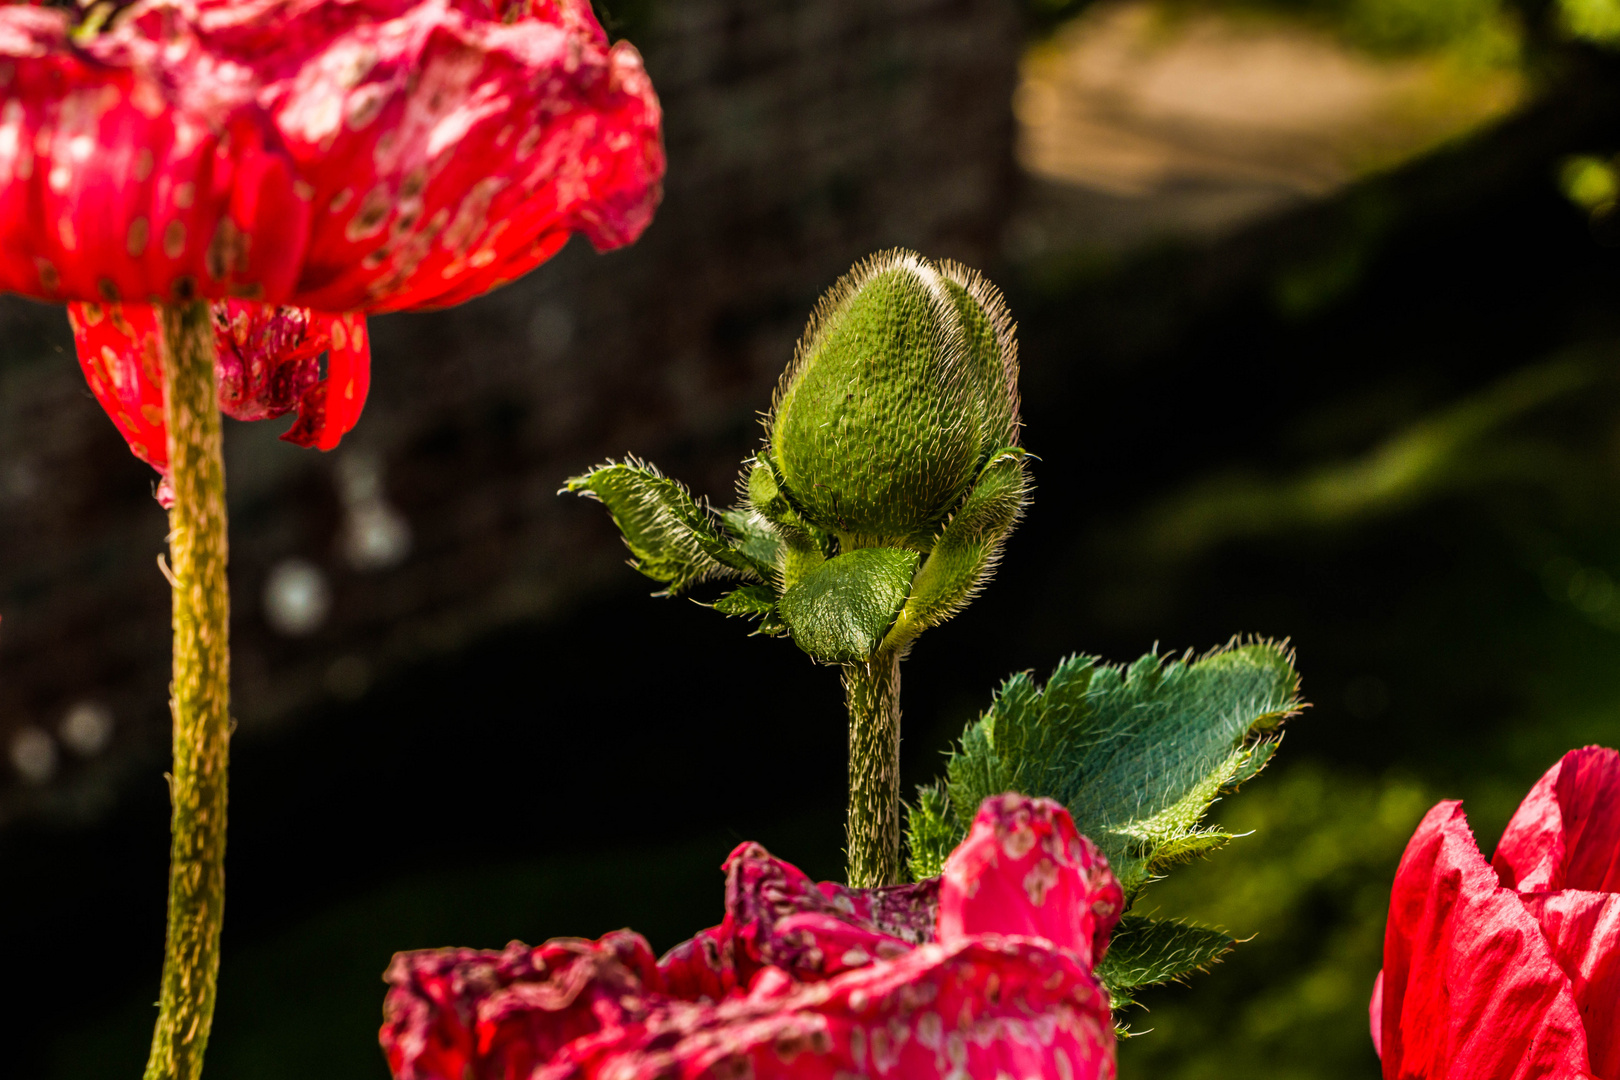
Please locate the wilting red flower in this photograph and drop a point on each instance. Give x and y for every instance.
(1512, 968)
(984, 971)
(324, 155)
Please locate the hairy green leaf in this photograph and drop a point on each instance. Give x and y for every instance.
(932, 830)
(840, 610)
(672, 537)
(753, 602)
(1146, 952)
(1137, 754)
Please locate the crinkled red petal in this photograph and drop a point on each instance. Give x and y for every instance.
(983, 1007)
(1566, 833)
(464, 1014)
(1470, 989)
(327, 154)
(777, 917)
(1025, 869)
(1583, 931)
(112, 188)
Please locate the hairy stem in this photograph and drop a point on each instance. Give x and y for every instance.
(200, 700)
(872, 691)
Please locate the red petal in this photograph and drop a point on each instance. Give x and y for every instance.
(448, 152)
(116, 183)
(331, 408)
(462, 1014)
(982, 1008)
(1471, 990)
(118, 349)
(776, 917)
(1566, 833)
(386, 155)
(268, 358)
(1583, 929)
(1024, 869)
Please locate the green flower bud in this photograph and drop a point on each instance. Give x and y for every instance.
(902, 388)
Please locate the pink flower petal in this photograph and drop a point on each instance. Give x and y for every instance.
(1024, 869)
(980, 1008)
(777, 917)
(1470, 989)
(1566, 833)
(462, 1014)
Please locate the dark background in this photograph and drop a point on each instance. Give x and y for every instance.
(1411, 473)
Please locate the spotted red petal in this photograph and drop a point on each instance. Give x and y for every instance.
(983, 1007)
(117, 184)
(1024, 869)
(456, 1014)
(329, 154)
(776, 916)
(118, 349)
(1566, 833)
(1470, 988)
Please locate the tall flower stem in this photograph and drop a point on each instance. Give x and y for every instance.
(872, 692)
(200, 700)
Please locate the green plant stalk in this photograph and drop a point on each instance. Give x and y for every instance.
(872, 692)
(200, 695)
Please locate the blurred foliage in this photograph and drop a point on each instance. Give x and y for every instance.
(1478, 29)
(1311, 898)
(1596, 21)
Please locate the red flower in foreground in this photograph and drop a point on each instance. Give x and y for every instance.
(312, 156)
(1509, 968)
(985, 971)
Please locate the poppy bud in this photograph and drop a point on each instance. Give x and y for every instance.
(903, 387)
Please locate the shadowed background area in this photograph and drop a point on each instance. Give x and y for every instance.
(1319, 338)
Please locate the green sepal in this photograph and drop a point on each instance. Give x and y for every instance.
(1147, 952)
(672, 537)
(1137, 754)
(753, 602)
(801, 546)
(962, 558)
(839, 611)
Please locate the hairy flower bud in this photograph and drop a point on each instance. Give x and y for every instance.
(903, 387)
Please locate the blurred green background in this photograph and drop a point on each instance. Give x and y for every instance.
(1379, 415)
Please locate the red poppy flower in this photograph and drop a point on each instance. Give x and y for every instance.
(1509, 968)
(314, 154)
(984, 971)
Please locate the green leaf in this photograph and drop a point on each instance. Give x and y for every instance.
(1146, 952)
(840, 610)
(753, 602)
(672, 537)
(932, 831)
(757, 539)
(1137, 754)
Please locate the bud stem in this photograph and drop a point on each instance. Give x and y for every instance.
(200, 701)
(872, 691)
